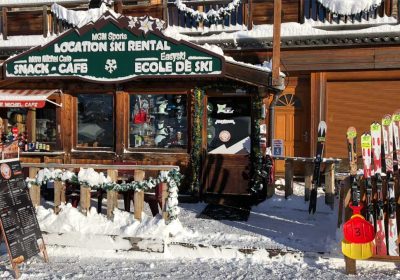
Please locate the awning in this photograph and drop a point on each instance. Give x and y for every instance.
(26, 98)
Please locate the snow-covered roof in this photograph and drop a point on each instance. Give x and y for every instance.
(350, 7)
(80, 18)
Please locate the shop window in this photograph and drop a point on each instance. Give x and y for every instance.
(46, 125)
(158, 121)
(16, 124)
(95, 120)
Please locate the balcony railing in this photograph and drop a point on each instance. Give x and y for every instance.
(313, 9)
(238, 19)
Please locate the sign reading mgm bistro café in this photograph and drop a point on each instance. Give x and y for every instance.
(149, 119)
(113, 51)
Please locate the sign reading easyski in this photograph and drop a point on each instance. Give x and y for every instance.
(115, 50)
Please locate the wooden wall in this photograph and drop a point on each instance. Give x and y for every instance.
(263, 11)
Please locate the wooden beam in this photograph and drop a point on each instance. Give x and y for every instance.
(250, 15)
(45, 22)
(4, 22)
(276, 49)
(301, 11)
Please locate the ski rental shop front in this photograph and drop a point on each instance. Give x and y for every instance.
(119, 91)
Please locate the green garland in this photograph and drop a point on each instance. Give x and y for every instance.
(197, 138)
(256, 155)
(173, 179)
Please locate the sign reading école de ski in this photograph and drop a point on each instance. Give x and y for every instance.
(115, 50)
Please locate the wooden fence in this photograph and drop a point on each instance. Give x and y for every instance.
(112, 196)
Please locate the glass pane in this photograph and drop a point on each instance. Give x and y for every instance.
(158, 121)
(14, 126)
(95, 120)
(46, 125)
(228, 125)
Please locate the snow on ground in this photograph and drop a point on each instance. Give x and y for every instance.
(92, 247)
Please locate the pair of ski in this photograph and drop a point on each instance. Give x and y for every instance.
(371, 144)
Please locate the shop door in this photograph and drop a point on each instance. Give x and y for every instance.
(228, 130)
(290, 126)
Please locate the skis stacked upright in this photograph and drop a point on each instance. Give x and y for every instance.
(352, 152)
(366, 146)
(316, 182)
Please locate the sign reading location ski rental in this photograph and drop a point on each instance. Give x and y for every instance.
(112, 50)
(316, 182)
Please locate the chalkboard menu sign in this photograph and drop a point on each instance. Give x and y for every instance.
(17, 214)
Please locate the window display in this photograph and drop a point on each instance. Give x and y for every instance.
(95, 120)
(158, 121)
(43, 137)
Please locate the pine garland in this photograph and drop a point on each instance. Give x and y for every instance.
(256, 155)
(197, 139)
(212, 15)
(98, 181)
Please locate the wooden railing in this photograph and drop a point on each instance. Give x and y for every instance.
(313, 9)
(112, 196)
(241, 16)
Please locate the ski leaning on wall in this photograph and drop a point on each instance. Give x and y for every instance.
(316, 182)
(366, 148)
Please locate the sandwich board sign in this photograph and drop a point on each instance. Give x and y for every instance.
(18, 223)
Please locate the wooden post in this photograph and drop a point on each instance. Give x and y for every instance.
(330, 184)
(350, 265)
(112, 196)
(301, 11)
(289, 170)
(250, 15)
(45, 22)
(4, 22)
(276, 48)
(164, 197)
(308, 174)
(34, 191)
(342, 191)
(58, 195)
(138, 199)
(85, 199)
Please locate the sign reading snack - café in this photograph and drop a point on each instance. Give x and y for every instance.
(115, 50)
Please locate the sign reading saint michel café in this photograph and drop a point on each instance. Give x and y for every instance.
(114, 50)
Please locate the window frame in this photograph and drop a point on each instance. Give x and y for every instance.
(75, 123)
(128, 149)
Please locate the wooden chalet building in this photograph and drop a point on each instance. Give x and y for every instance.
(339, 68)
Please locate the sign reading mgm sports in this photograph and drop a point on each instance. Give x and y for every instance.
(114, 50)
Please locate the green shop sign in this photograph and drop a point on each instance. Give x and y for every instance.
(115, 50)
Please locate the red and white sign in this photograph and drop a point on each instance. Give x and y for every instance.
(23, 104)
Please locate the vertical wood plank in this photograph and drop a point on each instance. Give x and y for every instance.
(85, 199)
(309, 167)
(112, 196)
(330, 184)
(301, 11)
(4, 22)
(45, 22)
(138, 198)
(276, 44)
(163, 200)
(58, 187)
(34, 191)
(289, 170)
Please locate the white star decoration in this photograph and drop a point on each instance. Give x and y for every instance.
(146, 25)
(132, 23)
(160, 25)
